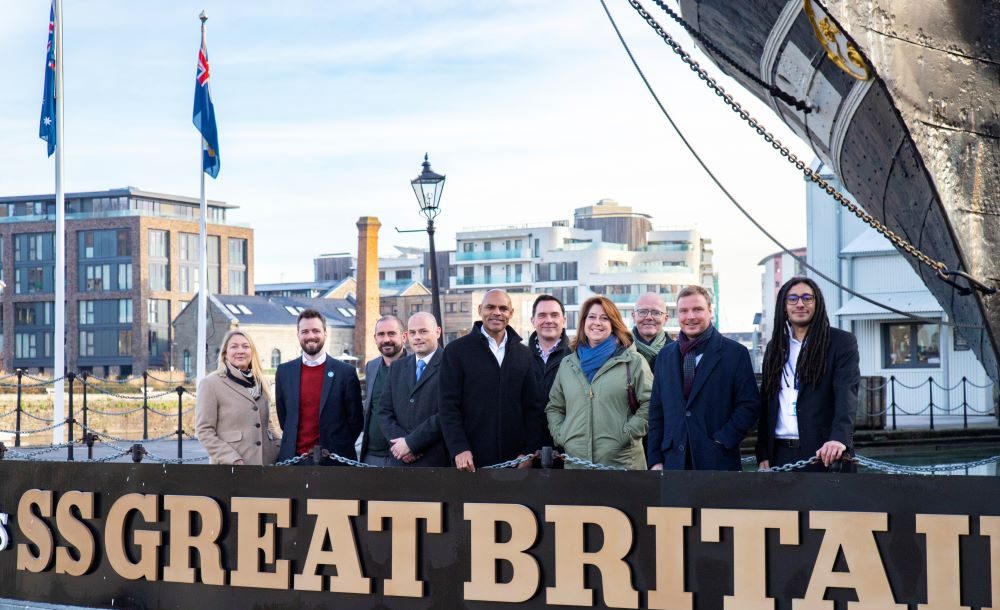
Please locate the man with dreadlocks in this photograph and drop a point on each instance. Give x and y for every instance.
(809, 391)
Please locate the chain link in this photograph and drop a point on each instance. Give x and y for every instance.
(934, 468)
(939, 267)
(292, 460)
(511, 463)
(36, 430)
(569, 459)
(794, 465)
(114, 413)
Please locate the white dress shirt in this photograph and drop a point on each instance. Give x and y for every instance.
(788, 421)
(319, 361)
(498, 349)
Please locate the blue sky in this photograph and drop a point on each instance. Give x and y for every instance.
(326, 108)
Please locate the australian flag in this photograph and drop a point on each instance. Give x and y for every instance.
(47, 124)
(204, 114)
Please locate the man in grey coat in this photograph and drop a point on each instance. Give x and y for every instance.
(408, 410)
(373, 446)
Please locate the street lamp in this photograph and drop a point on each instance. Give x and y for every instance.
(428, 187)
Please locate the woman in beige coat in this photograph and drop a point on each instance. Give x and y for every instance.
(233, 410)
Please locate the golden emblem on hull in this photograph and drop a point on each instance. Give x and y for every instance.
(838, 48)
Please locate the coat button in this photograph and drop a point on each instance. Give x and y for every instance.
(687, 414)
(411, 401)
(679, 447)
(258, 425)
(258, 443)
(255, 408)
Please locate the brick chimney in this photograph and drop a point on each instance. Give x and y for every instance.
(368, 290)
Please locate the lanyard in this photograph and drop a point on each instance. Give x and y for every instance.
(789, 372)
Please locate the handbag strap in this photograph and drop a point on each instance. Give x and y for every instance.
(628, 374)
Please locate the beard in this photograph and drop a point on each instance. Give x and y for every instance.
(312, 349)
(390, 349)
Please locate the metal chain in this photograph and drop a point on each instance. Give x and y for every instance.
(30, 455)
(11, 412)
(40, 380)
(793, 466)
(35, 431)
(115, 394)
(292, 460)
(569, 459)
(511, 463)
(44, 420)
(130, 440)
(939, 267)
(108, 458)
(114, 413)
(168, 414)
(931, 469)
(183, 379)
(160, 460)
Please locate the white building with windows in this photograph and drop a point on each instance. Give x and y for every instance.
(608, 250)
(891, 345)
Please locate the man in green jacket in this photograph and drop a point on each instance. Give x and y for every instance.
(650, 316)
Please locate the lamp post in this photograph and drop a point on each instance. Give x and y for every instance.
(427, 187)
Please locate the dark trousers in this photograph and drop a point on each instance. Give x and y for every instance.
(786, 454)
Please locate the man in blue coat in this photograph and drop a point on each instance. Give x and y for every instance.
(704, 398)
(317, 398)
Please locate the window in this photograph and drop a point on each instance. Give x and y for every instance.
(236, 266)
(275, 358)
(86, 343)
(25, 345)
(124, 311)
(911, 345)
(157, 243)
(186, 362)
(125, 276)
(86, 312)
(158, 276)
(125, 343)
(449, 307)
(487, 246)
(487, 274)
(404, 275)
(464, 307)
(468, 246)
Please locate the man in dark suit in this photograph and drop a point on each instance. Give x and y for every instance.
(317, 398)
(373, 445)
(409, 408)
(809, 383)
(491, 410)
(704, 398)
(549, 343)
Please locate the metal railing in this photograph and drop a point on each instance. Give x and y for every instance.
(88, 383)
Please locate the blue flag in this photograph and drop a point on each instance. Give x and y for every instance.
(204, 114)
(47, 124)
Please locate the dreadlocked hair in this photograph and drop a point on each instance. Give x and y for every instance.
(811, 363)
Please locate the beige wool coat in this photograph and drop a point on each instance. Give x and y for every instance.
(231, 425)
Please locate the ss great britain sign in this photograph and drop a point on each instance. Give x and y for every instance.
(212, 537)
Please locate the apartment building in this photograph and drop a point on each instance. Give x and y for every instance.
(131, 266)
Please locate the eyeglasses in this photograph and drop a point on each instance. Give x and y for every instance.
(807, 299)
(642, 313)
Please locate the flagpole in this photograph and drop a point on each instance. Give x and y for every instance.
(202, 250)
(59, 336)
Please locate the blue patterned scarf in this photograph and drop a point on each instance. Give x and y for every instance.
(593, 358)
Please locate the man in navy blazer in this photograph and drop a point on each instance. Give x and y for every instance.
(318, 398)
(810, 383)
(705, 396)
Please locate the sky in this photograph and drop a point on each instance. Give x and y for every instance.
(325, 110)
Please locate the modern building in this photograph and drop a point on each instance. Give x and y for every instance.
(574, 263)
(890, 344)
(131, 265)
(270, 321)
(778, 269)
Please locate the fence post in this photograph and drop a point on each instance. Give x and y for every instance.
(965, 407)
(892, 390)
(145, 405)
(17, 422)
(70, 376)
(930, 407)
(180, 427)
(86, 426)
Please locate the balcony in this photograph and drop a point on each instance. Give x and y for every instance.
(492, 255)
(466, 281)
(681, 247)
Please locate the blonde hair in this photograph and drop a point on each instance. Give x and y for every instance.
(255, 368)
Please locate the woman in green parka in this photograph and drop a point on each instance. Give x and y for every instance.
(588, 411)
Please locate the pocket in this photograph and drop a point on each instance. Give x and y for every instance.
(231, 436)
